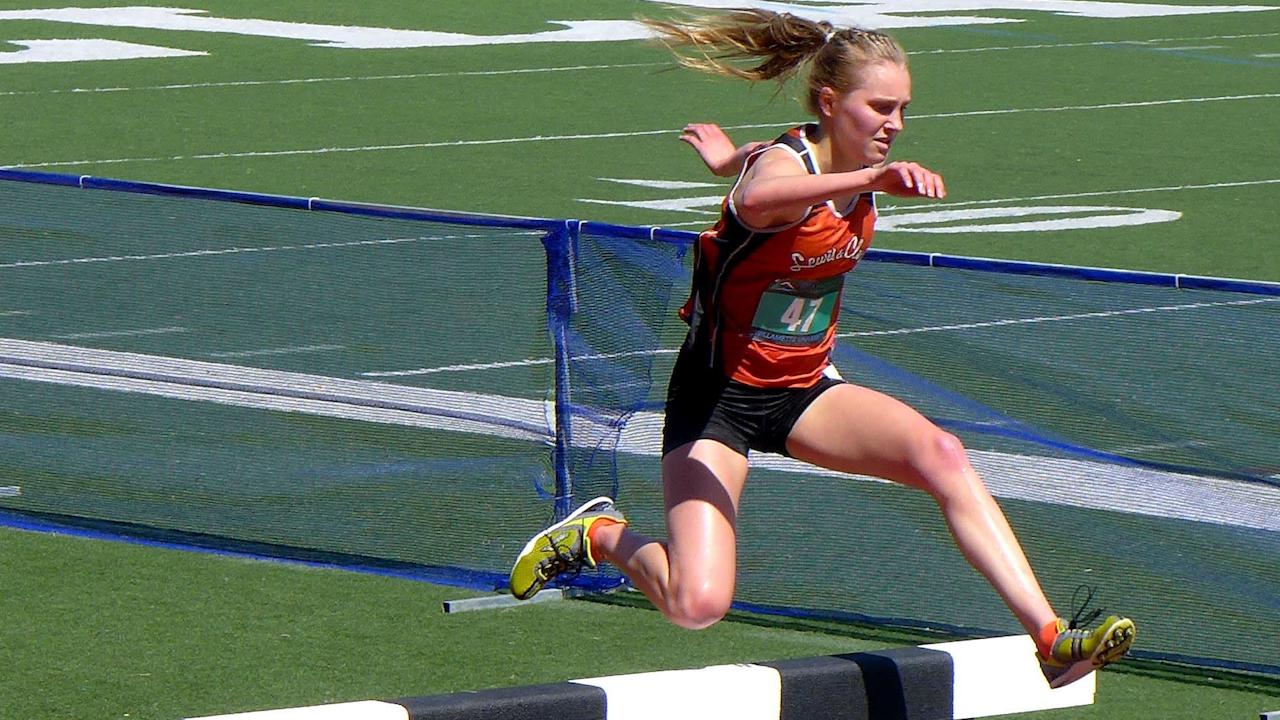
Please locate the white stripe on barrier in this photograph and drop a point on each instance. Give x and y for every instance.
(998, 676)
(363, 710)
(992, 676)
(741, 692)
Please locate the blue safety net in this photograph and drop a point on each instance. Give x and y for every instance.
(1127, 426)
(417, 392)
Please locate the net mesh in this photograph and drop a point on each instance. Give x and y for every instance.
(1128, 431)
(317, 381)
(384, 388)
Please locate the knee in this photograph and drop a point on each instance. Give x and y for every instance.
(942, 460)
(948, 451)
(699, 609)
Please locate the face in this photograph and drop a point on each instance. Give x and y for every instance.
(864, 121)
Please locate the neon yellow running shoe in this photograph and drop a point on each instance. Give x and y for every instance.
(1077, 652)
(562, 549)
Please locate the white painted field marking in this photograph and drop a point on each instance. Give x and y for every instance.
(349, 78)
(120, 333)
(1188, 47)
(700, 204)
(1097, 43)
(14, 313)
(276, 351)
(79, 50)
(887, 15)
(469, 367)
(573, 68)
(1101, 106)
(613, 135)
(1128, 449)
(709, 205)
(1056, 318)
(980, 219)
(1076, 483)
(334, 36)
(232, 251)
(530, 362)
(1100, 193)
(660, 184)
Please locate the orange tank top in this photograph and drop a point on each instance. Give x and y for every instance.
(764, 302)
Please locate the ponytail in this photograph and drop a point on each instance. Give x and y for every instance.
(780, 43)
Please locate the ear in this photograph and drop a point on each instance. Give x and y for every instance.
(826, 101)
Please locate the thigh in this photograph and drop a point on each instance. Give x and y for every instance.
(862, 431)
(702, 483)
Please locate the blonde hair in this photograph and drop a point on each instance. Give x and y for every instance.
(782, 43)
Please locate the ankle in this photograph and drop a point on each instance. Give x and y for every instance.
(603, 535)
(1044, 639)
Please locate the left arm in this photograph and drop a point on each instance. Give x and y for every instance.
(716, 149)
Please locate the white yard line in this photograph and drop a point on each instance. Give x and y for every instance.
(226, 251)
(1068, 482)
(612, 135)
(1139, 44)
(531, 362)
(301, 349)
(1056, 318)
(120, 333)
(1099, 193)
(583, 68)
(887, 210)
(348, 78)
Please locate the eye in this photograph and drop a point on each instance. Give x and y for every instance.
(884, 108)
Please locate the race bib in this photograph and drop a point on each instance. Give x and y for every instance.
(797, 312)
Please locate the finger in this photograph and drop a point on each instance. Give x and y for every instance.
(704, 130)
(904, 174)
(925, 183)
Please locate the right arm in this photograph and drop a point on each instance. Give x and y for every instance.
(777, 190)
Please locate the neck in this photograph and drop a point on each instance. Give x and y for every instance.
(831, 157)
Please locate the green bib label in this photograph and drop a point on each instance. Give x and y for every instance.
(797, 312)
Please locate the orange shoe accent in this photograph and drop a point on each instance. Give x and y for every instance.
(599, 523)
(1044, 640)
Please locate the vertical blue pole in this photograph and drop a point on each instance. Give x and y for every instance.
(561, 246)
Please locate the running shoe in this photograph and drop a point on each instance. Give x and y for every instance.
(1077, 652)
(560, 550)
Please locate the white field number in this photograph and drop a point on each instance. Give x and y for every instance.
(886, 15)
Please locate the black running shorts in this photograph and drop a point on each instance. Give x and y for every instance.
(703, 404)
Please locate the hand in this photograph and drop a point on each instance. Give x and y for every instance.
(908, 179)
(716, 149)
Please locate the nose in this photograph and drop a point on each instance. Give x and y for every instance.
(895, 122)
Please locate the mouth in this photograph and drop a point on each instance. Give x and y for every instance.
(882, 144)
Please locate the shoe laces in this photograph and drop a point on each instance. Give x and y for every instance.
(1083, 614)
(561, 563)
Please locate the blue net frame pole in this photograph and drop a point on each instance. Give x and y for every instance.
(561, 246)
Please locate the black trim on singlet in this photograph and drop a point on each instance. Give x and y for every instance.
(738, 241)
(802, 149)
